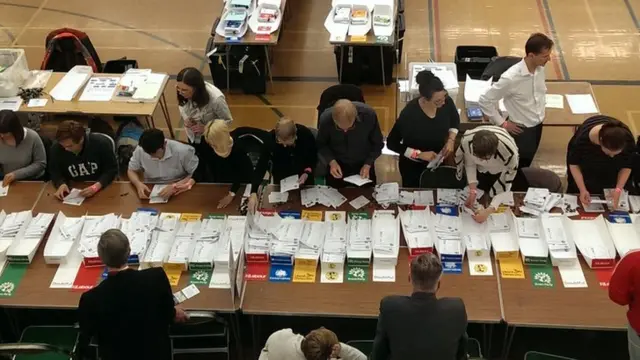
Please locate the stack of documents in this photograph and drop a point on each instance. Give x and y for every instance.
(594, 241)
(234, 233)
(623, 229)
(28, 239)
(63, 238)
(448, 197)
(464, 195)
(289, 183)
(473, 89)
(558, 239)
(12, 225)
(475, 235)
(139, 229)
(162, 239)
(532, 246)
(623, 203)
(538, 201)
(503, 235)
(207, 243)
(356, 180)
(447, 229)
(67, 88)
(417, 228)
(569, 204)
(324, 195)
(312, 240)
(258, 236)
(93, 228)
(276, 197)
(386, 194)
(184, 242)
(385, 238)
(359, 239)
(286, 241)
(335, 248)
(342, 14)
(582, 104)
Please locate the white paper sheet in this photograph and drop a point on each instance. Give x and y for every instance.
(554, 101)
(572, 275)
(359, 202)
(384, 272)
(357, 180)
(289, 183)
(100, 88)
(155, 198)
(582, 104)
(423, 198)
(37, 102)
(10, 103)
(66, 273)
(278, 197)
(332, 273)
(4, 190)
(74, 198)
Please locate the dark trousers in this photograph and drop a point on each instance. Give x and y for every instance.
(348, 170)
(528, 142)
(204, 153)
(411, 172)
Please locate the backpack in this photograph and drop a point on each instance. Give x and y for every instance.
(66, 48)
(127, 137)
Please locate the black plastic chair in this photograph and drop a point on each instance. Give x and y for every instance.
(119, 66)
(498, 66)
(211, 329)
(337, 92)
(444, 177)
(253, 140)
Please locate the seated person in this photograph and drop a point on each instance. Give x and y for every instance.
(162, 161)
(421, 326)
(81, 156)
(599, 156)
(292, 151)
(488, 156)
(129, 313)
(319, 344)
(22, 154)
(350, 140)
(229, 163)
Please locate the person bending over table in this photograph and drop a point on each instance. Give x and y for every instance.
(78, 155)
(229, 162)
(523, 89)
(428, 125)
(291, 150)
(319, 344)
(350, 140)
(421, 325)
(129, 313)
(162, 161)
(22, 154)
(599, 156)
(624, 289)
(488, 156)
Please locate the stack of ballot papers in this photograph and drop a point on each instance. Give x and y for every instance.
(334, 249)
(27, 240)
(386, 194)
(359, 240)
(11, 226)
(464, 195)
(597, 204)
(184, 242)
(276, 197)
(64, 237)
(538, 201)
(324, 195)
(67, 88)
(448, 197)
(312, 240)
(139, 229)
(258, 236)
(155, 198)
(207, 243)
(503, 235)
(385, 239)
(289, 183)
(286, 241)
(594, 241)
(623, 202)
(556, 233)
(417, 228)
(234, 231)
(532, 245)
(342, 14)
(162, 239)
(473, 89)
(449, 241)
(359, 15)
(93, 228)
(73, 198)
(356, 180)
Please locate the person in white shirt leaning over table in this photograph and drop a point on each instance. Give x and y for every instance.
(488, 156)
(319, 344)
(162, 161)
(523, 89)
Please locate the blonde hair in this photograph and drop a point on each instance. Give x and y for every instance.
(344, 111)
(285, 129)
(218, 136)
(318, 344)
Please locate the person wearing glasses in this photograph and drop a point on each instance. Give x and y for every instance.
(350, 140)
(291, 150)
(488, 156)
(426, 127)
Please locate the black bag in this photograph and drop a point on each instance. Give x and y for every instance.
(247, 65)
(499, 65)
(472, 60)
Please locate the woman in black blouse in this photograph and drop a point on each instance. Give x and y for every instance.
(599, 156)
(426, 126)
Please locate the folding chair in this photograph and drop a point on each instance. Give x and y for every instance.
(473, 349)
(336, 92)
(34, 351)
(203, 333)
(252, 140)
(444, 177)
(49, 342)
(536, 355)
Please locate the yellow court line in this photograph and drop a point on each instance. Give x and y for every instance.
(632, 121)
(33, 17)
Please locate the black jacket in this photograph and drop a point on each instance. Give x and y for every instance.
(419, 327)
(96, 162)
(129, 314)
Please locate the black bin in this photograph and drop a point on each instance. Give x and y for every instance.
(472, 60)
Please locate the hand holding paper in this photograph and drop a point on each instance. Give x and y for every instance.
(289, 183)
(74, 198)
(357, 180)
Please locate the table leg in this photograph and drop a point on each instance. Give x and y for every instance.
(508, 341)
(382, 62)
(235, 328)
(340, 66)
(167, 117)
(255, 334)
(266, 53)
(226, 57)
(150, 122)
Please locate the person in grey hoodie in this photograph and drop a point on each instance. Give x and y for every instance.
(22, 154)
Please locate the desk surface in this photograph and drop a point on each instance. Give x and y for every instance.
(121, 198)
(22, 196)
(249, 37)
(554, 117)
(93, 107)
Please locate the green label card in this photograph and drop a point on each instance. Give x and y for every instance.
(200, 277)
(542, 276)
(356, 273)
(11, 278)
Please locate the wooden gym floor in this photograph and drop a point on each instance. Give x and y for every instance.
(597, 41)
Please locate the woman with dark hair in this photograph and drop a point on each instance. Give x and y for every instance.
(428, 125)
(22, 154)
(599, 156)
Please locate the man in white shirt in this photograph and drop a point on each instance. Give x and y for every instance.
(523, 89)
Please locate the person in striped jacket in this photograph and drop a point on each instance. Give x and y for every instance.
(488, 156)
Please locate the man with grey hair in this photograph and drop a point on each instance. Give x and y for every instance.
(128, 313)
(350, 141)
(421, 325)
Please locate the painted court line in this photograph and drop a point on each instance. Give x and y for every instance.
(547, 21)
(632, 13)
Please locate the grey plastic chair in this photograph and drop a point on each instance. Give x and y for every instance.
(203, 333)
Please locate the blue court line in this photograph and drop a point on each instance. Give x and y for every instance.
(556, 39)
(632, 13)
(432, 32)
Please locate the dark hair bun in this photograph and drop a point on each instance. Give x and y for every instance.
(424, 77)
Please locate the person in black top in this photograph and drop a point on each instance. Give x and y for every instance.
(129, 313)
(291, 149)
(350, 140)
(599, 156)
(229, 163)
(428, 125)
(80, 156)
(421, 326)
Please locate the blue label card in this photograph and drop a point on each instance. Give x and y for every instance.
(447, 210)
(449, 267)
(619, 218)
(289, 214)
(280, 273)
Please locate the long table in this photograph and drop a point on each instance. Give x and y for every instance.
(119, 198)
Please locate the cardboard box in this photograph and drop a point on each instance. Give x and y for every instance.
(419, 240)
(29, 237)
(623, 230)
(593, 240)
(60, 244)
(534, 249)
(161, 240)
(505, 243)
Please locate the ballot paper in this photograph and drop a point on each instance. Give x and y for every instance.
(74, 198)
(623, 202)
(572, 275)
(289, 183)
(100, 88)
(406, 198)
(359, 202)
(554, 101)
(505, 198)
(357, 180)
(387, 193)
(278, 197)
(595, 206)
(499, 222)
(37, 103)
(435, 163)
(447, 196)
(185, 294)
(155, 198)
(528, 227)
(423, 198)
(330, 197)
(67, 88)
(4, 190)
(582, 104)
(570, 204)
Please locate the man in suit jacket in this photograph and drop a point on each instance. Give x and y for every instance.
(129, 313)
(421, 326)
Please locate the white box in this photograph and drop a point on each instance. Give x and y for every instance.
(161, 240)
(505, 243)
(419, 237)
(61, 242)
(29, 237)
(555, 228)
(594, 242)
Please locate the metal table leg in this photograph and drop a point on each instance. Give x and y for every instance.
(340, 66)
(226, 56)
(255, 334)
(266, 52)
(508, 341)
(167, 117)
(382, 62)
(235, 325)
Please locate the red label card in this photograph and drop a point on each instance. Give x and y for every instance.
(86, 278)
(604, 276)
(256, 272)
